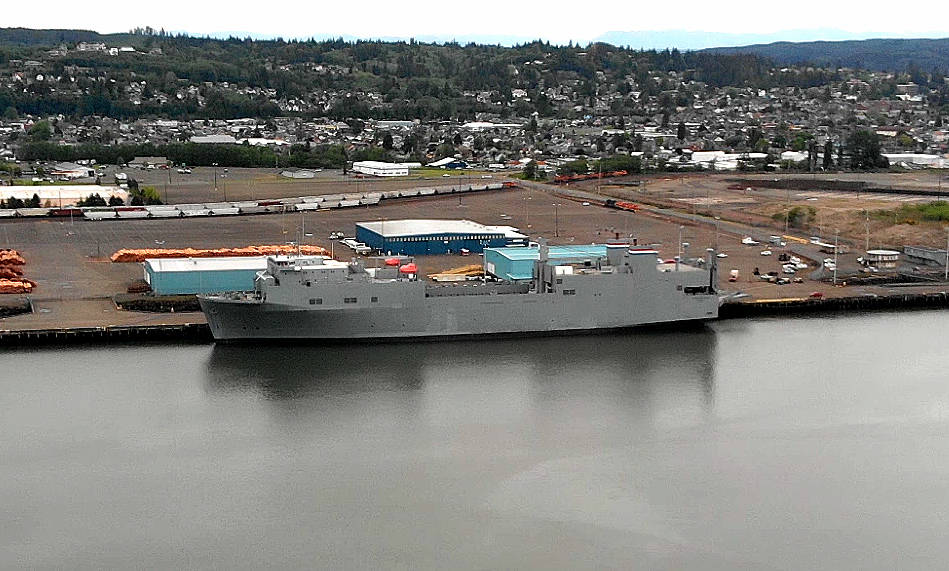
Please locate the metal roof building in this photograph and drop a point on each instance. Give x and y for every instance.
(377, 168)
(420, 237)
(517, 263)
(172, 276)
(62, 195)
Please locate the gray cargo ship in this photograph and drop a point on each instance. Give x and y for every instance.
(323, 299)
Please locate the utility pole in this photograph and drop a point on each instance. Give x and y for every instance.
(557, 219)
(787, 199)
(679, 249)
(947, 255)
(836, 249)
(867, 224)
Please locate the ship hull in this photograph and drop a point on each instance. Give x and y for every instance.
(448, 318)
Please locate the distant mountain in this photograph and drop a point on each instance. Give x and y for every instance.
(37, 37)
(29, 37)
(876, 54)
(685, 40)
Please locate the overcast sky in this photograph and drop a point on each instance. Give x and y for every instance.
(558, 22)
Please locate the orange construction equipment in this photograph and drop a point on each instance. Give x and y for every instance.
(126, 255)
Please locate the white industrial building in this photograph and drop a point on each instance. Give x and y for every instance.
(62, 195)
(917, 159)
(722, 161)
(70, 171)
(377, 168)
(213, 139)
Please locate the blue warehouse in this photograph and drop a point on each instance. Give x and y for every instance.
(171, 276)
(517, 264)
(420, 237)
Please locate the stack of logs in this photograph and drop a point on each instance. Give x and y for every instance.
(126, 255)
(11, 273)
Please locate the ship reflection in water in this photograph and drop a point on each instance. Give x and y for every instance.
(648, 376)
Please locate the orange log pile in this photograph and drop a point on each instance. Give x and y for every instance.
(11, 258)
(16, 285)
(10, 271)
(126, 255)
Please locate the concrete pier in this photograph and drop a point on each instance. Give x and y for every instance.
(791, 306)
(185, 333)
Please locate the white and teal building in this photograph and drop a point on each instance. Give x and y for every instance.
(176, 276)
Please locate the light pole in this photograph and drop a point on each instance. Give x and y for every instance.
(867, 225)
(836, 249)
(947, 254)
(215, 176)
(718, 219)
(679, 249)
(557, 219)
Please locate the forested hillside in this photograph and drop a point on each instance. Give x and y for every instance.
(188, 77)
(878, 55)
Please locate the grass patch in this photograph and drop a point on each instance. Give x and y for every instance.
(936, 211)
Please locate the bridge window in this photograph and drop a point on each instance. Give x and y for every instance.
(349, 300)
(570, 292)
(316, 301)
(374, 299)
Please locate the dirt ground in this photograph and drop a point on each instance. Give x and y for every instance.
(829, 210)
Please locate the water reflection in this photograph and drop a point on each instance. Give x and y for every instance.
(668, 375)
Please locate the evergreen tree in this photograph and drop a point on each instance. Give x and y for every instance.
(865, 150)
(828, 154)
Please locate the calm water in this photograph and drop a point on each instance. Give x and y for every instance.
(771, 444)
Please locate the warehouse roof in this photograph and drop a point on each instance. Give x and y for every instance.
(559, 252)
(207, 264)
(69, 193)
(380, 165)
(390, 228)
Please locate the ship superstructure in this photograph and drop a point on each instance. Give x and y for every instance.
(324, 299)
